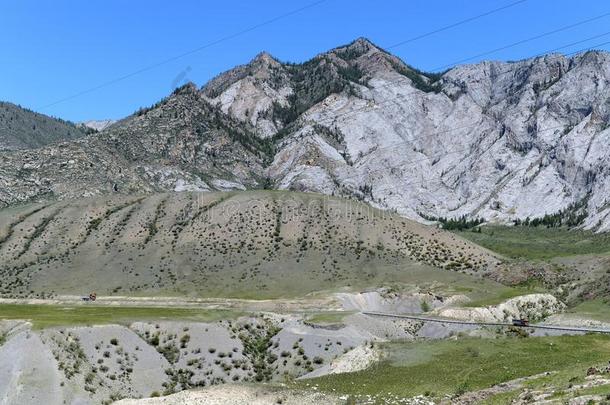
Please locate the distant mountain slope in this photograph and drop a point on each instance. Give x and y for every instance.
(24, 129)
(242, 244)
(180, 144)
(501, 141)
(98, 125)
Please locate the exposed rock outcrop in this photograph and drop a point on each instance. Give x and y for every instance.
(533, 307)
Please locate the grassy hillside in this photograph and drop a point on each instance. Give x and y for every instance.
(575, 264)
(437, 368)
(597, 309)
(538, 243)
(253, 244)
(44, 316)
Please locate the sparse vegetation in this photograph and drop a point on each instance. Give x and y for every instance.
(426, 82)
(257, 341)
(241, 255)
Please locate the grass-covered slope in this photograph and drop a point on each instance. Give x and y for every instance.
(252, 244)
(573, 264)
(537, 243)
(453, 367)
(46, 316)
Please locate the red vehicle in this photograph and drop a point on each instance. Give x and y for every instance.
(91, 297)
(521, 322)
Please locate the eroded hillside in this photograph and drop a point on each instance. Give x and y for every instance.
(263, 244)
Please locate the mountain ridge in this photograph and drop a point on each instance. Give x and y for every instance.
(21, 129)
(498, 140)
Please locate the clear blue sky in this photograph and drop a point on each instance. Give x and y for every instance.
(52, 49)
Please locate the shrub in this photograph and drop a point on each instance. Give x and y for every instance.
(462, 389)
(184, 340)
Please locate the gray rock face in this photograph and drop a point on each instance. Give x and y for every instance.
(28, 376)
(495, 140)
(98, 125)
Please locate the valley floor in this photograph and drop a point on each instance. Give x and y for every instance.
(338, 354)
(262, 344)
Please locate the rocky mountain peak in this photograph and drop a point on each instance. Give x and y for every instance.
(264, 57)
(364, 57)
(353, 53)
(360, 45)
(188, 88)
(97, 125)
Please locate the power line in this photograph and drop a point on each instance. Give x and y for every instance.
(521, 42)
(254, 27)
(412, 163)
(456, 24)
(182, 55)
(453, 64)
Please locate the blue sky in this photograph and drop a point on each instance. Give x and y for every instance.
(53, 49)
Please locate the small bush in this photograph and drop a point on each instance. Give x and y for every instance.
(462, 389)
(184, 340)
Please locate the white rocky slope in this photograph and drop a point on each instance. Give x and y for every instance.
(533, 306)
(103, 364)
(496, 140)
(98, 125)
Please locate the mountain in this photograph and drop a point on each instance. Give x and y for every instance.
(232, 244)
(182, 143)
(24, 129)
(496, 140)
(98, 125)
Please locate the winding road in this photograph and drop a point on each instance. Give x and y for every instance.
(455, 321)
